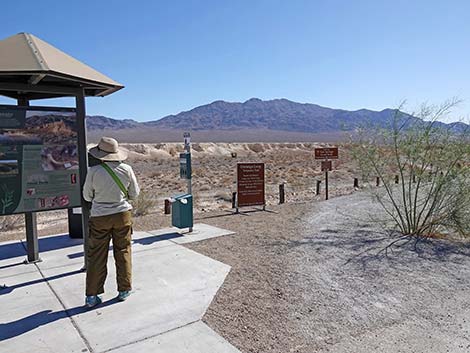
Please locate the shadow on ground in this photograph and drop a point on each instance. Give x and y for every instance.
(28, 323)
(364, 247)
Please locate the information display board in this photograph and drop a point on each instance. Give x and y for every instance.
(38, 159)
(185, 165)
(250, 184)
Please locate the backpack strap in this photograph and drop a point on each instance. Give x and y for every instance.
(116, 179)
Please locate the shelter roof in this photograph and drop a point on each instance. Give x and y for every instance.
(26, 59)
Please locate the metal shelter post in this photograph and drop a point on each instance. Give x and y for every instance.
(326, 184)
(32, 243)
(187, 148)
(83, 166)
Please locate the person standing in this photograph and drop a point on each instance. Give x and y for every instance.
(109, 186)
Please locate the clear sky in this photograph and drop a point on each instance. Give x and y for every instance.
(176, 55)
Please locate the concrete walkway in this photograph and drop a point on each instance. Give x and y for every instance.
(42, 304)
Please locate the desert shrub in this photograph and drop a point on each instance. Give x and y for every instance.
(10, 222)
(143, 204)
(223, 195)
(431, 162)
(197, 147)
(256, 147)
(204, 188)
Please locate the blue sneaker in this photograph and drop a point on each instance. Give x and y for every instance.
(92, 300)
(123, 295)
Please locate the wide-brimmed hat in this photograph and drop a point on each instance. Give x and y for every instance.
(108, 150)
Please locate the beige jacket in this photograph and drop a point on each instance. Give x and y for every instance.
(105, 195)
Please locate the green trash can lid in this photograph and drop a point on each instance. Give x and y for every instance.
(182, 196)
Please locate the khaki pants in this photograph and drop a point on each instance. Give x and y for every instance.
(118, 227)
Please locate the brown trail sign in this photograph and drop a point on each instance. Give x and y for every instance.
(250, 184)
(326, 153)
(326, 166)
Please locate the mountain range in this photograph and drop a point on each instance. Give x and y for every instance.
(269, 117)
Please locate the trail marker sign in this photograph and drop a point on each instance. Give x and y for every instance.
(250, 184)
(326, 153)
(326, 166)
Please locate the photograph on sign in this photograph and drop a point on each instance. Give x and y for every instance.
(38, 159)
(250, 184)
(326, 153)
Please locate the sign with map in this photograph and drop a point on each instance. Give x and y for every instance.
(38, 159)
(250, 184)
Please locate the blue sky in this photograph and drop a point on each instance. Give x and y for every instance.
(175, 55)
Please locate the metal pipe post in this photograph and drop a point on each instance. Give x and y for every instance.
(187, 147)
(326, 184)
(281, 194)
(356, 183)
(32, 242)
(83, 165)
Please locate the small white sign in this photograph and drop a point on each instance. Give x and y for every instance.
(187, 138)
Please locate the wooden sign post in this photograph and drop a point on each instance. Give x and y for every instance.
(325, 154)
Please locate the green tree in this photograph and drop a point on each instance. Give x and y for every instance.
(430, 161)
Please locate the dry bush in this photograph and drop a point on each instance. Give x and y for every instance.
(223, 195)
(10, 222)
(197, 147)
(256, 147)
(143, 204)
(204, 188)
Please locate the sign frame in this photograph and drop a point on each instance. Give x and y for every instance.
(256, 196)
(19, 112)
(326, 153)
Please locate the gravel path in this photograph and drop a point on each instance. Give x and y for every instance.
(312, 278)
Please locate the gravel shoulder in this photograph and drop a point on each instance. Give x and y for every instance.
(313, 277)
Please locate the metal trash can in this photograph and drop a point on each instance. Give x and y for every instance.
(182, 211)
(75, 222)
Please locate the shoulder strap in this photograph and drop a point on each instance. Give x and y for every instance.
(116, 179)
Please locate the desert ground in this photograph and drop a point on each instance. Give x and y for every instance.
(309, 275)
(214, 177)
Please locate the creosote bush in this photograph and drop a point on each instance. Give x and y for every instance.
(432, 162)
(10, 222)
(143, 204)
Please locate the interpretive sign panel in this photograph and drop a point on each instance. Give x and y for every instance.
(326, 153)
(38, 159)
(250, 184)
